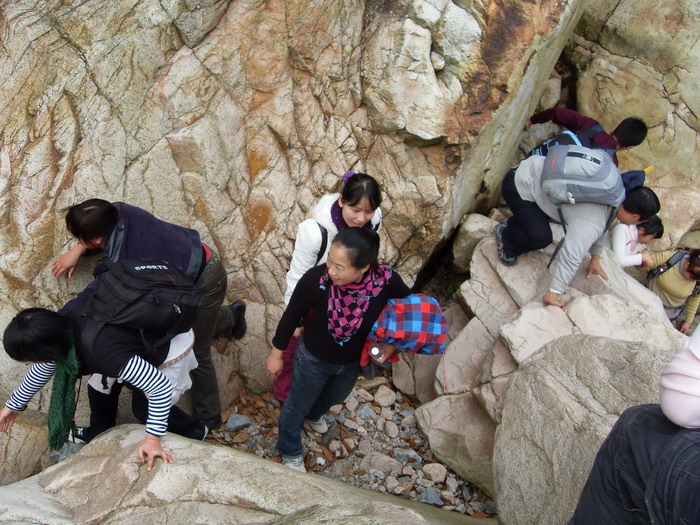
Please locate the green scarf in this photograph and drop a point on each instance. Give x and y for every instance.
(62, 405)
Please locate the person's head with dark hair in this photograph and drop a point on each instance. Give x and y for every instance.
(359, 199)
(649, 230)
(641, 204)
(92, 222)
(352, 253)
(630, 132)
(692, 267)
(38, 335)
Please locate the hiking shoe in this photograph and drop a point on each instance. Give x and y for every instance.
(213, 423)
(508, 261)
(320, 425)
(294, 463)
(239, 325)
(79, 435)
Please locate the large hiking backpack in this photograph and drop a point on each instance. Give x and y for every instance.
(573, 174)
(145, 294)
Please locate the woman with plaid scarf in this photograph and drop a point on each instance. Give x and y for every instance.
(356, 206)
(344, 298)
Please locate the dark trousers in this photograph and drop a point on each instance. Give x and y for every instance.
(179, 421)
(205, 388)
(316, 386)
(646, 471)
(103, 414)
(528, 229)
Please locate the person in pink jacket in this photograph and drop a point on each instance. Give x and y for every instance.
(680, 385)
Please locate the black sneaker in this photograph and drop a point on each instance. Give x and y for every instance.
(213, 423)
(508, 261)
(238, 322)
(80, 434)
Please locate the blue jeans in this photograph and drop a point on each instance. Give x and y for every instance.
(646, 471)
(316, 386)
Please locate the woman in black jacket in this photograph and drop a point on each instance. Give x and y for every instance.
(344, 298)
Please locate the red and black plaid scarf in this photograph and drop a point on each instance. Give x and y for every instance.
(347, 304)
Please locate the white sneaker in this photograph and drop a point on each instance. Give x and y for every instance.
(294, 463)
(319, 425)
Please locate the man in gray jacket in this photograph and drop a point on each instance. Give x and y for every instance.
(586, 224)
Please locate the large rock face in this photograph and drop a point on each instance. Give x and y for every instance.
(643, 59)
(104, 483)
(234, 117)
(506, 423)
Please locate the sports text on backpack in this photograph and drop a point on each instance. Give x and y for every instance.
(145, 294)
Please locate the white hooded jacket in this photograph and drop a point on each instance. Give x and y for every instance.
(308, 240)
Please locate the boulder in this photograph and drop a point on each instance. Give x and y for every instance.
(104, 483)
(510, 328)
(456, 320)
(24, 447)
(534, 327)
(461, 435)
(474, 228)
(558, 408)
(414, 375)
(484, 294)
(464, 359)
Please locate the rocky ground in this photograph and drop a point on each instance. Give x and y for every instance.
(373, 442)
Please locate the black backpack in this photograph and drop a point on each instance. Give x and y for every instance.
(145, 294)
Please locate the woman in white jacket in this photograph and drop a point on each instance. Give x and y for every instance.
(357, 205)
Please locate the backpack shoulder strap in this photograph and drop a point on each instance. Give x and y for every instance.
(586, 136)
(324, 242)
(566, 138)
(560, 244)
(665, 266)
(89, 334)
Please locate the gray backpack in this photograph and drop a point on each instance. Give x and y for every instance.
(574, 174)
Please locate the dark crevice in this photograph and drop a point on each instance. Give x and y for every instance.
(438, 278)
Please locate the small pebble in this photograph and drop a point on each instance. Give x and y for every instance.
(391, 430)
(363, 395)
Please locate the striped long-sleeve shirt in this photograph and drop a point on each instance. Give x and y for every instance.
(34, 380)
(137, 372)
